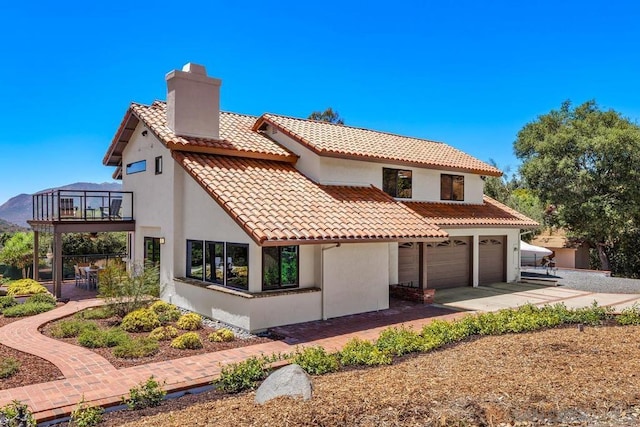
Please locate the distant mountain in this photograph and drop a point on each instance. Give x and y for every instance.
(7, 227)
(19, 209)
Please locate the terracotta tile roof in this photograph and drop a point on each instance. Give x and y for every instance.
(489, 213)
(236, 136)
(276, 204)
(344, 141)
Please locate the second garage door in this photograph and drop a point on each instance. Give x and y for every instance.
(448, 263)
(492, 255)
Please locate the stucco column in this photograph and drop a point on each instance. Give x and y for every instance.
(36, 250)
(475, 264)
(57, 264)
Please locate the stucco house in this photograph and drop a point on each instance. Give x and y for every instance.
(566, 253)
(273, 220)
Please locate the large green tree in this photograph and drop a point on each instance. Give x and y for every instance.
(584, 164)
(327, 115)
(18, 252)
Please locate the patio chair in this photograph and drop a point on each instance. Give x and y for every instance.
(67, 210)
(78, 275)
(113, 210)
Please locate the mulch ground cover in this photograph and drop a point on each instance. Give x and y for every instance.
(553, 377)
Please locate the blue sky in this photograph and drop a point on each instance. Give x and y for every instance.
(467, 73)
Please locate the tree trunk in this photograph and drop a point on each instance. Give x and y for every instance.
(604, 259)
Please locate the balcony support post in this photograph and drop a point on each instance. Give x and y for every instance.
(36, 251)
(57, 260)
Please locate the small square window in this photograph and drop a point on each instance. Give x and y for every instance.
(451, 187)
(397, 182)
(158, 165)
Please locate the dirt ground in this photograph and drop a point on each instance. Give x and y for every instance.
(553, 377)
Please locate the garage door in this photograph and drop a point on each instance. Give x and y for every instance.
(492, 254)
(449, 263)
(409, 264)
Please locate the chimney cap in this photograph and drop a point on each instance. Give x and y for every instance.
(192, 68)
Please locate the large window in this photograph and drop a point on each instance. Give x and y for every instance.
(136, 167)
(223, 263)
(397, 182)
(214, 262)
(280, 267)
(195, 259)
(451, 187)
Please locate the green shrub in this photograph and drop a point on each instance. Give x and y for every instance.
(45, 297)
(166, 312)
(141, 320)
(187, 341)
(222, 335)
(136, 348)
(84, 415)
(71, 328)
(245, 375)
(146, 395)
(91, 338)
(27, 309)
(361, 352)
(7, 301)
(95, 313)
(399, 341)
(114, 337)
(593, 315)
(8, 367)
(126, 292)
(163, 333)
(630, 316)
(17, 414)
(189, 322)
(25, 287)
(315, 360)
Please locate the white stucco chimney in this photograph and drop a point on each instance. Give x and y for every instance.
(193, 102)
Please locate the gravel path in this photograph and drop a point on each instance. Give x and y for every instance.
(590, 281)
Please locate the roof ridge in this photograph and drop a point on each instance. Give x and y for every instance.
(355, 127)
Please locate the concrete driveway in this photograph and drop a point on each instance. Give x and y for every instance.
(505, 295)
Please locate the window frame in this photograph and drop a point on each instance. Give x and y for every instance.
(207, 257)
(189, 261)
(206, 244)
(394, 192)
(136, 167)
(279, 285)
(158, 165)
(447, 190)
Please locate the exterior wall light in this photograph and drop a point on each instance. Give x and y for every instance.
(162, 240)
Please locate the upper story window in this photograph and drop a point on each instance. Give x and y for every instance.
(136, 167)
(451, 187)
(158, 164)
(279, 267)
(397, 182)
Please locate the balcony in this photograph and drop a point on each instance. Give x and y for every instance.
(82, 206)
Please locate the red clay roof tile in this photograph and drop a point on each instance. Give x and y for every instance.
(489, 213)
(236, 135)
(333, 140)
(276, 204)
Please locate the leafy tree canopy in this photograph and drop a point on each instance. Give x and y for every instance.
(327, 115)
(584, 164)
(18, 251)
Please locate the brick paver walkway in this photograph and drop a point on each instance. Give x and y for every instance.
(90, 375)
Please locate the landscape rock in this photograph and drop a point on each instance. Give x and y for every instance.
(291, 380)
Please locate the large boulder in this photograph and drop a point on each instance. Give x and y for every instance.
(291, 380)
